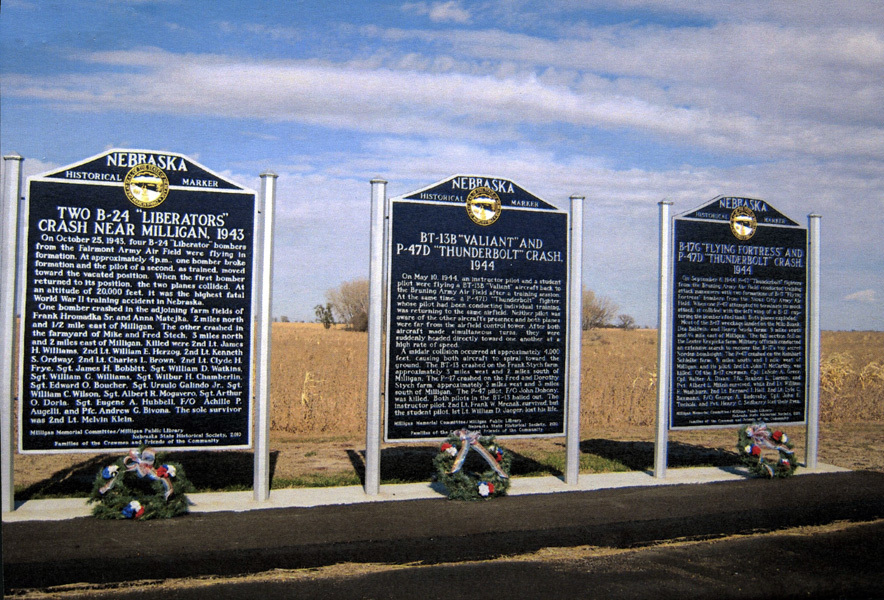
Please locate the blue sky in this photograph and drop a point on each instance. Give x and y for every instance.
(626, 102)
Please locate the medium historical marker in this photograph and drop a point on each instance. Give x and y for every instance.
(739, 316)
(137, 321)
(477, 314)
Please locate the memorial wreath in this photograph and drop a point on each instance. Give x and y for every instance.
(134, 488)
(460, 476)
(757, 438)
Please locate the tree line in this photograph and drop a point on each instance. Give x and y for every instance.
(347, 304)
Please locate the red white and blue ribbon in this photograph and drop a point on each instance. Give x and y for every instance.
(470, 440)
(141, 463)
(133, 510)
(763, 438)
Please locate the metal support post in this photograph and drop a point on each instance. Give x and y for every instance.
(813, 342)
(664, 342)
(375, 335)
(8, 249)
(267, 201)
(575, 339)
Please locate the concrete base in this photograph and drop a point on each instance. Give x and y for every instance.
(72, 508)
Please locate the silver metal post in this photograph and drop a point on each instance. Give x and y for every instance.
(375, 335)
(267, 199)
(575, 339)
(813, 342)
(664, 342)
(8, 246)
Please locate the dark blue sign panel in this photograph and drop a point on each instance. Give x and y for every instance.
(740, 311)
(477, 319)
(137, 318)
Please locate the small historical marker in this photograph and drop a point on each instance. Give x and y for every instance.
(739, 316)
(477, 315)
(137, 321)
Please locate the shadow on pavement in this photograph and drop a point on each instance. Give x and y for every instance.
(414, 464)
(219, 470)
(232, 470)
(639, 456)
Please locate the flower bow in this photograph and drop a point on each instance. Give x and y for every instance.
(141, 463)
(763, 438)
(470, 439)
(133, 510)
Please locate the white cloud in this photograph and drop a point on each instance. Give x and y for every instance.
(439, 12)
(409, 102)
(807, 12)
(780, 101)
(863, 297)
(448, 12)
(267, 137)
(275, 33)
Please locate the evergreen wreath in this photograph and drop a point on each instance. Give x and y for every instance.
(754, 440)
(132, 488)
(459, 473)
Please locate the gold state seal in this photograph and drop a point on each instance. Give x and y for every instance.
(743, 223)
(483, 206)
(146, 185)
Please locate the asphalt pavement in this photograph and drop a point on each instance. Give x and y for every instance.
(42, 554)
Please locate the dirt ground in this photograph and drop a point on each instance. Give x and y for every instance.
(298, 461)
(685, 568)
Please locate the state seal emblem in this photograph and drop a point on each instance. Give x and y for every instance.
(743, 223)
(483, 206)
(146, 185)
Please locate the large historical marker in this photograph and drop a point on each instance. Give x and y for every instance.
(477, 311)
(137, 318)
(740, 310)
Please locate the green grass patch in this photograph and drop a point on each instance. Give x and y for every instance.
(316, 480)
(540, 463)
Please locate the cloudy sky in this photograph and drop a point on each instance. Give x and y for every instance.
(626, 102)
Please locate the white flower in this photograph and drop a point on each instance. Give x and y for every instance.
(451, 450)
(483, 489)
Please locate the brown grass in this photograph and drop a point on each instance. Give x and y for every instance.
(318, 379)
(618, 381)
(852, 377)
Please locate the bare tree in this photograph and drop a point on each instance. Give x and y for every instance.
(626, 322)
(598, 311)
(349, 301)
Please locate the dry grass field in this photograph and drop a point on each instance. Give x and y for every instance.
(318, 383)
(319, 376)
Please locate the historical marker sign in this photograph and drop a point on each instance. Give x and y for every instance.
(739, 313)
(477, 321)
(137, 319)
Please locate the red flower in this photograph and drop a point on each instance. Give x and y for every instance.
(755, 450)
(490, 488)
(446, 446)
(162, 471)
(779, 437)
